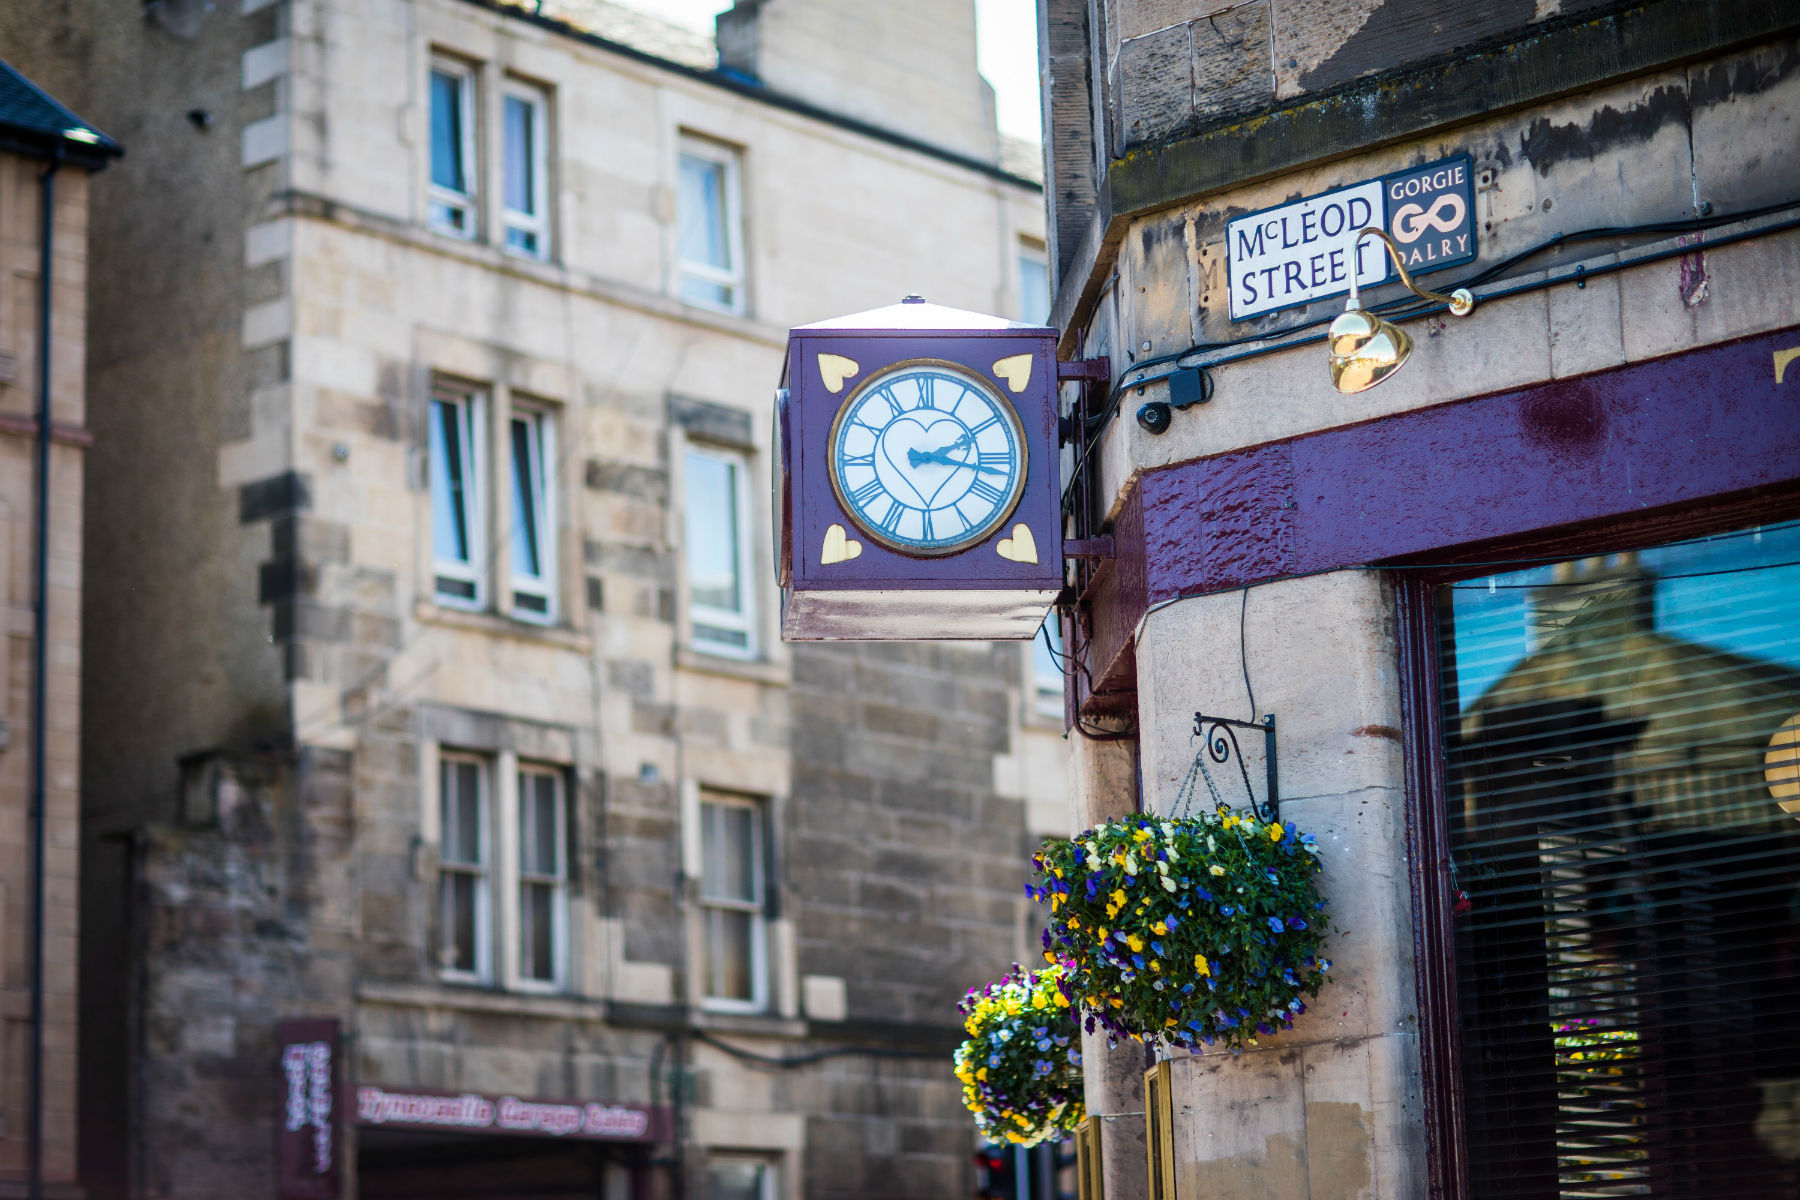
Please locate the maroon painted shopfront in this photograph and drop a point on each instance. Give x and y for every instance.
(1597, 583)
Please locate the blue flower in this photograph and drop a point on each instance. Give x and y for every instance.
(1075, 1055)
(1275, 924)
(1156, 948)
(1295, 923)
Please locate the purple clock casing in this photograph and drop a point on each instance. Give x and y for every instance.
(883, 594)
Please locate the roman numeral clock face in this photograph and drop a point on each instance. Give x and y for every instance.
(927, 459)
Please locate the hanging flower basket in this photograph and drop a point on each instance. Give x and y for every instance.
(1021, 1065)
(1197, 931)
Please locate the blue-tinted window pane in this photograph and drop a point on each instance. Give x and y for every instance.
(521, 156)
(1034, 289)
(1623, 823)
(712, 533)
(527, 500)
(701, 203)
(451, 488)
(700, 291)
(447, 167)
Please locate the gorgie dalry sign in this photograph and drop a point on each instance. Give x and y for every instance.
(1296, 253)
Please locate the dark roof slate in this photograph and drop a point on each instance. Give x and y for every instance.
(33, 122)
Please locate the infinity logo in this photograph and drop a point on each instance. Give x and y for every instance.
(1412, 221)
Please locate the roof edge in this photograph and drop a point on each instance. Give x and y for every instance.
(737, 84)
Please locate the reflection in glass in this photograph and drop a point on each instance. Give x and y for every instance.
(731, 891)
(447, 170)
(1629, 954)
(736, 1181)
(715, 551)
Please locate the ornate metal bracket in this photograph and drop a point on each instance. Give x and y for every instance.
(1221, 745)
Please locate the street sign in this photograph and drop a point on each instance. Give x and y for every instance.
(1297, 253)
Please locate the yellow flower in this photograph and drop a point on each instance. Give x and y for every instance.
(1216, 870)
(1118, 896)
(1135, 942)
(1168, 1022)
(1156, 965)
(1062, 1001)
(1103, 933)
(1161, 928)
(1074, 923)
(1200, 964)
(1275, 833)
(981, 1075)
(1117, 1003)
(1050, 957)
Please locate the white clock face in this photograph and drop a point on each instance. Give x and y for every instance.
(927, 459)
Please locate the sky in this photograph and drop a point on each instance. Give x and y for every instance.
(1006, 35)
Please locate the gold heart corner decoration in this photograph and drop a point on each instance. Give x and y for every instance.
(1020, 547)
(839, 547)
(834, 369)
(1016, 372)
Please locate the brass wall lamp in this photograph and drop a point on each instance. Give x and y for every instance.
(1366, 349)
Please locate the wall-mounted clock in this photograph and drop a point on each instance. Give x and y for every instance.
(917, 496)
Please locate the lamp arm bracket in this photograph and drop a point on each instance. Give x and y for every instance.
(1461, 302)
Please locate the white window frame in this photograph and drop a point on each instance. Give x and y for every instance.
(559, 881)
(757, 907)
(542, 421)
(465, 202)
(472, 409)
(733, 276)
(699, 614)
(536, 224)
(483, 872)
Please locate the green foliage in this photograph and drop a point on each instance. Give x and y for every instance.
(1021, 1065)
(1197, 931)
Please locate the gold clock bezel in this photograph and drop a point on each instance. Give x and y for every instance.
(1002, 513)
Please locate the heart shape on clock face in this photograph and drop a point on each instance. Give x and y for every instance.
(928, 480)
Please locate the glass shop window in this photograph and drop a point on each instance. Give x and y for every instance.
(734, 970)
(451, 192)
(1622, 736)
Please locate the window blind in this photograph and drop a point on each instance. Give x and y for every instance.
(1627, 933)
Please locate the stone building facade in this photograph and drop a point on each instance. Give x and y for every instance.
(441, 695)
(1548, 778)
(46, 156)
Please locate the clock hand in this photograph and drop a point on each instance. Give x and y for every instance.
(919, 457)
(916, 457)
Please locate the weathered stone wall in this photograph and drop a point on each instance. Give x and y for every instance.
(270, 506)
(1176, 66)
